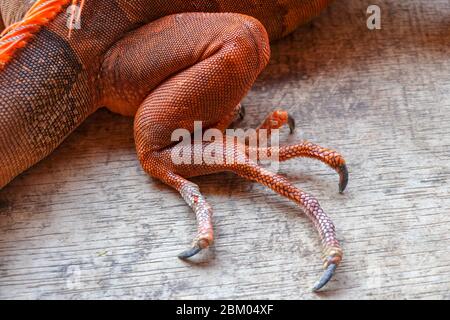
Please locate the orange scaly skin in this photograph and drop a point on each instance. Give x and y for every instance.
(168, 64)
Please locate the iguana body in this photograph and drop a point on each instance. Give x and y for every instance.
(168, 64)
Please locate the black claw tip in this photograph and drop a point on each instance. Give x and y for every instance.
(327, 275)
(189, 253)
(241, 112)
(291, 123)
(343, 178)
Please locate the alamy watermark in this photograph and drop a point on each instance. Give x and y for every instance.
(374, 19)
(73, 13)
(234, 146)
(74, 17)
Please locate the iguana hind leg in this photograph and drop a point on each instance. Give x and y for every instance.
(215, 63)
(215, 66)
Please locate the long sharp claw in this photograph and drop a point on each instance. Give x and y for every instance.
(291, 123)
(189, 253)
(327, 275)
(343, 178)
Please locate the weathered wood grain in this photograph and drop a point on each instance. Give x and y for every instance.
(88, 223)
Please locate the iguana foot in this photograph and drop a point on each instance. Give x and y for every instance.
(160, 164)
(278, 119)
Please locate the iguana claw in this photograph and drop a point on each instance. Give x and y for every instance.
(241, 112)
(189, 253)
(343, 178)
(291, 124)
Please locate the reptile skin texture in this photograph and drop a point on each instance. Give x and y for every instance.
(167, 64)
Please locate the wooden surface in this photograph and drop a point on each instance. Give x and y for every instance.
(88, 223)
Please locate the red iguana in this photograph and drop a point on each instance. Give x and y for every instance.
(167, 64)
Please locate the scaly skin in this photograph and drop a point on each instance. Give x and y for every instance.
(168, 64)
